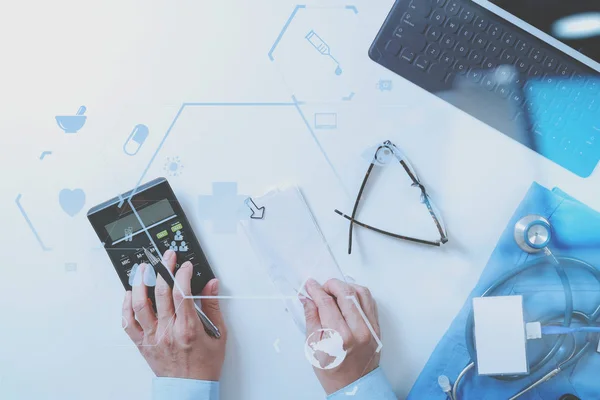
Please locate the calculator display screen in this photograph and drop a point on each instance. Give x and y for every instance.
(130, 225)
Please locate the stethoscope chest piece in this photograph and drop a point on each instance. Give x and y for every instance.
(533, 233)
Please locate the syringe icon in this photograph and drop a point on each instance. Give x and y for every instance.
(323, 48)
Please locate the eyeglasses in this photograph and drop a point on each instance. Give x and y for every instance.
(382, 156)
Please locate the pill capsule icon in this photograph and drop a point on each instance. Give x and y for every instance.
(136, 139)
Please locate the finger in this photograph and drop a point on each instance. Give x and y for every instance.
(369, 306)
(329, 313)
(130, 325)
(311, 314)
(142, 306)
(164, 294)
(211, 306)
(348, 303)
(184, 307)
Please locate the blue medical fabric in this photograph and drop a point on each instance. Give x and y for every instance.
(576, 233)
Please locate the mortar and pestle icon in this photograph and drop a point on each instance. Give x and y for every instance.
(72, 123)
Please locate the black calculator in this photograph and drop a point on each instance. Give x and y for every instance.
(154, 220)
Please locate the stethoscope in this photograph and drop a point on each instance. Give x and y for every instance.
(533, 234)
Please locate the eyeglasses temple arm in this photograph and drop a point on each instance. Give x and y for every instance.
(355, 209)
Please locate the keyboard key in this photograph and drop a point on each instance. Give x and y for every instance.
(503, 74)
(416, 23)
(564, 71)
(508, 57)
(437, 72)
(453, 7)
(448, 41)
(503, 91)
(437, 18)
(522, 66)
(407, 55)
(439, 3)
(462, 49)
(489, 63)
(393, 47)
(479, 41)
(451, 25)
(420, 7)
(467, 16)
(537, 55)
(461, 67)
(422, 63)
(433, 50)
(593, 86)
(550, 63)
(475, 57)
(523, 47)
(516, 98)
(534, 71)
(495, 31)
(408, 38)
(474, 75)
(433, 34)
(466, 33)
(447, 60)
(509, 39)
(481, 23)
(489, 83)
(493, 50)
(564, 89)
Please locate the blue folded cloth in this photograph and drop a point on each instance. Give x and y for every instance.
(576, 233)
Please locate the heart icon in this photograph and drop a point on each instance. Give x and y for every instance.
(71, 201)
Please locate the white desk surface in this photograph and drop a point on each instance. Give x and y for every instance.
(132, 62)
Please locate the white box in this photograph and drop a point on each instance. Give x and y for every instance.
(500, 338)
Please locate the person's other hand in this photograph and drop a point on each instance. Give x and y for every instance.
(331, 308)
(173, 341)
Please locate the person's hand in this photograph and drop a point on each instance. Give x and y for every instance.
(173, 341)
(332, 308)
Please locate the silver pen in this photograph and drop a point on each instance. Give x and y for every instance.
(159, 267)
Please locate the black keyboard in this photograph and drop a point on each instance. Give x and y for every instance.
(437, 43)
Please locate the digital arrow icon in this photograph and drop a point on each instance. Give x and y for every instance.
(257, 212)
